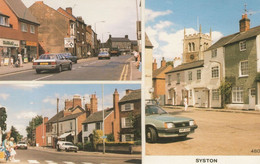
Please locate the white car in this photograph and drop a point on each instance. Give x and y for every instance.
(21, 145)
(67, 146)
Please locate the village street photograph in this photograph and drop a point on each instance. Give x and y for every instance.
(70, 40)
(202, 88)
(70, 123)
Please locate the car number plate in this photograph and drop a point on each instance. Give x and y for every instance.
(43, 63)
(184, 130)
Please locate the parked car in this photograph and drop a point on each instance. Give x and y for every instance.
(52, 62)
(103, 55)
(159, 123)
(21, 145)
(71, 57)
(67, 146)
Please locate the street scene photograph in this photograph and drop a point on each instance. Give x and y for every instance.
(202, 88)
(83, 123)
(70, 40)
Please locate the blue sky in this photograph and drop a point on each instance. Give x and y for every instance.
(24, 101)
(166, 19)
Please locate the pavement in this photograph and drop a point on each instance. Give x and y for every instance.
(171, 108)
(135, 74)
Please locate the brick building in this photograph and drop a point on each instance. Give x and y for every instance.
(40, 133)
(159, 80)
(119, 43)
(130, 109)
(18, 32)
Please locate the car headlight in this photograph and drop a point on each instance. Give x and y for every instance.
(168, 125)
(192, 123)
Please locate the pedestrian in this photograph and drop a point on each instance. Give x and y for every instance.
(157, 100)
(20, 60)
(12, 61)
(135, 55)
(12, 151)
(5, 146)
(185, 103)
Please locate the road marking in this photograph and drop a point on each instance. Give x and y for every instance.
(122, 73)
(33, 161)
(86, 163)
(15, 161)
(50, 162)
(68, 162)
(44, 77)
(126, 71)
(131, 73)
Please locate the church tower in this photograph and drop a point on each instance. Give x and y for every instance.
(194, 46)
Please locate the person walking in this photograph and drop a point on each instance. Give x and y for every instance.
(12, 151)
(185, 103)
(6, 147)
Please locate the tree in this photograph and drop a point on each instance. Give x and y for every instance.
(15, 134)
(97, 138)
(169, 63)
(225, 92)
(37, 120)
(3, 117)
(136, 123)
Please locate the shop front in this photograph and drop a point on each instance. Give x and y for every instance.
(28, 51)
(8, 50)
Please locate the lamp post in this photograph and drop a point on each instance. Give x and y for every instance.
(104, 149)
(98, 22)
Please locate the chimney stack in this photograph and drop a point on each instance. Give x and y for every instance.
(163, 63)
(68, 104)
(244, 23)
(69, 10)
(93, 104)
(77, 101)
(116, 124)
(127, 91)
(154, 65)
(126, 36)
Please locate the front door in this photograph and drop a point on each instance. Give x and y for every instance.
(251, 96)
(201, 97)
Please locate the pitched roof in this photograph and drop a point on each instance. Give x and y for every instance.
(72, 109)
(71, 116)
(56, 117)
(120, 39)
(65, 13)
(148, 43)
(21, 11)
(160, 70)
(134, 95)
(98, 116)
(239, 36)
(187, 66)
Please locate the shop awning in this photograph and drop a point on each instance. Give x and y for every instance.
(64, 135)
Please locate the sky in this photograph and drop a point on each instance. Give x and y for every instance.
(166, 20)
(120, 16)
(25, 101)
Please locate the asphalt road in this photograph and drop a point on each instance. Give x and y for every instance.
(49, 157)
(117, 68)
(218, 133)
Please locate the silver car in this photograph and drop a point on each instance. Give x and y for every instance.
(104, 54)
(52, 62)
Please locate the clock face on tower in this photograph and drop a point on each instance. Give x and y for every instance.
(191, 56)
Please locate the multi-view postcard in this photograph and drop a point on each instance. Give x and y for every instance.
(70, 40)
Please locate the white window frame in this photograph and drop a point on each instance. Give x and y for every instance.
(127, 107)
(237, 95)
(85, 127)
(214, 53)
(215, 72)
(199, 74)
(215, 94)
(126, 122)
(243, 73)
(242, 45)
(190, 75)
(124, 137)
(24, 27)
(32, 29)
(4, 21)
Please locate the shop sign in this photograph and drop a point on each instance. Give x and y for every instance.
(68, 43)
(28, 43)
(9, 43)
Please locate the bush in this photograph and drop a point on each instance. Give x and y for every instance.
(80, 145)
(118, 143)
(88, 146)
(110, 137)
(97, 134)
(138, 142)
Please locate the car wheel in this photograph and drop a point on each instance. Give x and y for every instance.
(183, 137)
(38, 71)
(60, 68)
(58, 148)
(70, 67)
(151, 135)
(66, 150)
(76, 151)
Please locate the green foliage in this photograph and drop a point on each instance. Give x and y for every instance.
(119, 143)
(80, 145)
(15, 134)
(3, 117)
(225, 92)
(169, 63)
(97, 134)
(88, 146)
(136, 122)
(138, 142)
(110, 137)
(37, 120)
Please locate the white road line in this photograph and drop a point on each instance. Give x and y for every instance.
(42, 78)
(16, 161)
(86, 163)
(33, 161)
(68, 162)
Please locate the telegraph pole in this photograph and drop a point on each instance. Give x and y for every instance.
(57, 118)
(104, 148)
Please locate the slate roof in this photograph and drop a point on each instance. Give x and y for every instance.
(72, 109)
(134, 95)
(71, 116)
(56, 116)
(187, 66)
(158, 71)
(239, 36)
(148, 43)
(21, 11)
(61, 117)
(120, 39)
(97, 116)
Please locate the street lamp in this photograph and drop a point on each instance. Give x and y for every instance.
(98, 22)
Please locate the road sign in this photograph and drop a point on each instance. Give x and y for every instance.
(69, 42)
(104, 137)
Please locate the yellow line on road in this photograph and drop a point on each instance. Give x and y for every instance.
(122, 73)
(126, 71)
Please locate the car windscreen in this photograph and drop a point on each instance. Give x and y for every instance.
(152, 109)
(68, 144)
(47, 56)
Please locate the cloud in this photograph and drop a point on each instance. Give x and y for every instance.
(26, 115)
(150, 15)
(27, 86)
(4, 96)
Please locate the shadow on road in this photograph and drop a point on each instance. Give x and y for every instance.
(134, 161)
(172, 140)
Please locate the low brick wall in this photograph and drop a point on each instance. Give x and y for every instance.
(132, 149)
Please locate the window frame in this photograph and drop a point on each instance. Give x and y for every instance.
(199, 74)
(178, 78)
(241, 71)
(32, 29)
(214, 53)
(189, 75)
(214, 72)
(237, 91)
(215, 95)
(126, 124)
(242, 45)
(24, 27)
